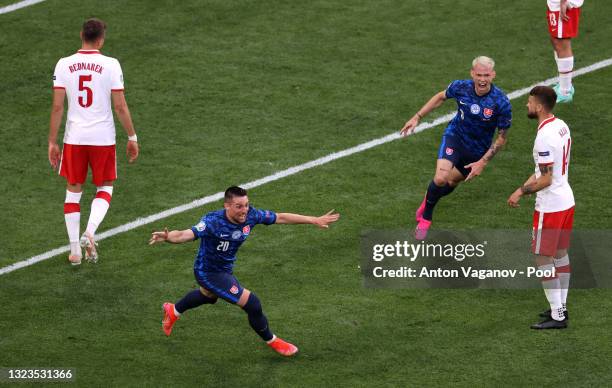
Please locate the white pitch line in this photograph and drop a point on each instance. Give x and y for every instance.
(281, 174)
(16, 6)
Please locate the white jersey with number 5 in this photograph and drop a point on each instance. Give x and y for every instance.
(552, 146)
(89, 78)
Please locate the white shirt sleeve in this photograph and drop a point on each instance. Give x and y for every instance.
(117, 77)
(544, 150)
(58, 76)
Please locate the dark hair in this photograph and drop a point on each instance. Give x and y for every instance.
(545, 96)
(93, 29)
(234, 191)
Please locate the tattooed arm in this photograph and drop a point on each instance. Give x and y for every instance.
(499, 143)
(533, 184)
(477, 167)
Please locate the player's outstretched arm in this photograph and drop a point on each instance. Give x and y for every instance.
(174, 237)
(477, 167)
(125, 118)
(434, 102)
(321, 221)
(57, 111)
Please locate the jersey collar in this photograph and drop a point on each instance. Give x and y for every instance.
(548, 120)
(88, 51)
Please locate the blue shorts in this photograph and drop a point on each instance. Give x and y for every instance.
(222, 284)
(453, 150)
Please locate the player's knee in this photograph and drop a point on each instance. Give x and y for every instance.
(560, 253)
(209, 295)
(75, 188)
(453, 183)
(555, 42)
(563, 47)
(543, 260)
(440, 179)
(253, 305)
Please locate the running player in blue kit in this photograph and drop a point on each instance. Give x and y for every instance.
(221, 233)
(467, 144)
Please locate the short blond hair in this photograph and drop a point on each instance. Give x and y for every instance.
(484, 61)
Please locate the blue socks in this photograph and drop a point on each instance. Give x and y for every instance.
(257, 319)
(192, 300)
(434, 193)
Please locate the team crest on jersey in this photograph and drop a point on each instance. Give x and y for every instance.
(201, 226)
(449, 151)
(246, 230)
(234, 289)
(475, 109)
(236, 235)
(487, 112)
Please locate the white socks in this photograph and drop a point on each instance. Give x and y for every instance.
(272, 340)
(99, 207)
(565, 67)
(562, 267)
(552, 290)
(72, 216)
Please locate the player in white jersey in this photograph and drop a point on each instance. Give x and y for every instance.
(563, 19)
(554, 209)
(89, 81)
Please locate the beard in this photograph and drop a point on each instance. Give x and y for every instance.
(532, 115)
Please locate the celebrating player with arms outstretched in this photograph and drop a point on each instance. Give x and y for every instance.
(89, 80)
(554, 209)
(466, 144)
(222, 232)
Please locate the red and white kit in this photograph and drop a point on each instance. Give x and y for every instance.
(559, 28)
(89, 78)
(554, 209)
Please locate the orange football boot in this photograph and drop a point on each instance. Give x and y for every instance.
(282, 347)
(169, 318)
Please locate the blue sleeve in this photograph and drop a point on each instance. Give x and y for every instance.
(504, 120)
(266, 217)
(451, 90)
(202, 228)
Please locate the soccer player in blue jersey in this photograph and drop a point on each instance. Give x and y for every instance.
(467, 144)
(221, 233)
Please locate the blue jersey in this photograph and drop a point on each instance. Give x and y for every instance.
(477, 116)
(220, 239)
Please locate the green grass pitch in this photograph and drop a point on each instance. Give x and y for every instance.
(224, 92)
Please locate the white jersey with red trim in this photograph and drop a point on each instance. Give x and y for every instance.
(552, 146)
(89, 78)
(555, 5)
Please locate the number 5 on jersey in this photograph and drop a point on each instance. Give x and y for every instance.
(88, 100)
